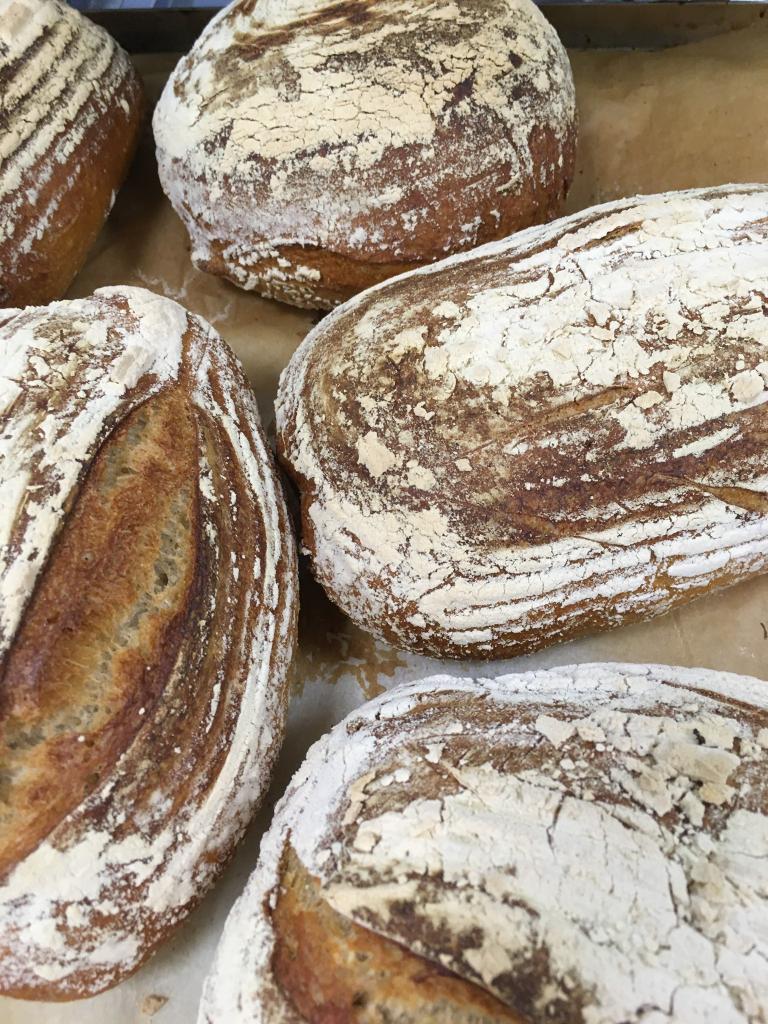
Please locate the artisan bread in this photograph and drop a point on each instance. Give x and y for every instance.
(70, 110)
(147, 619)
(314, 148)
(584, 844)
(556, 433)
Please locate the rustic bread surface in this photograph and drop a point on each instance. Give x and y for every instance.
(147, 620)
(70, 111)
(314, 148)
(331, 968)
(586, 844)
(557, 433)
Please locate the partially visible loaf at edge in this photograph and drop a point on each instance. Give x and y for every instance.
(550, 435)
(147, 622)
(587, 844)
(315, 148)
(70, 112)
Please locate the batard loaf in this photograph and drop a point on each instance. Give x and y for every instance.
(70, 111)
(147, 619)
(588, 844)
(556, 433)
(315, 148)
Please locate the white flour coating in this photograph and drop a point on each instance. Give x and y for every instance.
(57, 440)
(270, 136)
(643, 916)
(62, 75)
(78, 873)
(606, 370)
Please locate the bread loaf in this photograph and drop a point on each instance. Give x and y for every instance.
(588, 844)
(314, 148)
(556, 433)
(147, 619)
(70, 110)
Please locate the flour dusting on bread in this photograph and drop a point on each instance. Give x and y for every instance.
(59, 405)
(611, 875)
(356, 128)
(96, 889)
(62, 78)
(560, 431)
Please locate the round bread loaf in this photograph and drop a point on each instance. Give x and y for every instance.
(587, 844)
(70, 110)
(147, 621)
(557, 433)
(315, 148)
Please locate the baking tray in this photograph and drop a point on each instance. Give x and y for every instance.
(636, 24)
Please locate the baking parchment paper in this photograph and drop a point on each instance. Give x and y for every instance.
(690, 116)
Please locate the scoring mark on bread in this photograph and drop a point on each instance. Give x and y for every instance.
(71, 100)
(158, 574)
(320, 186)
(581, 843)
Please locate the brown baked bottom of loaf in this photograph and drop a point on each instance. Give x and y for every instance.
(333, 971)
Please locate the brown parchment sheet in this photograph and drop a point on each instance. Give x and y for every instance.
(689, 116)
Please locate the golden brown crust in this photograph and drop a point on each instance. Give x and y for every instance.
(143, 673)
(103, 160)
(555, 434)
(334, 971)
(579, 843)
(283, 145)
(76, 157)
(342, 274)
(105, 623)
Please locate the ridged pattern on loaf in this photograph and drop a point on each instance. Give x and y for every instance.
(62, 81)
(555, 433)
(388, 131)
(125, 403)
(589, 844)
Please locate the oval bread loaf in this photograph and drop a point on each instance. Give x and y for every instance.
(70, 112)
(147, 621)
(314, 148)
(587, 844)
(556, 433)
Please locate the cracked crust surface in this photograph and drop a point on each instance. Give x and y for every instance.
(70, 113)
(554, 434)
(147, 622)
(586, 845)
(313, 149)
(359, 989)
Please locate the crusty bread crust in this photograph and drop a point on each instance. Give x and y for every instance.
(372, 980)
(329, 278)
(581, 844)
(551, 435)
(147, 623)
(70, 118)
(314, 148)
(79, 667)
